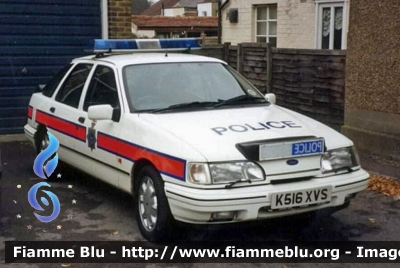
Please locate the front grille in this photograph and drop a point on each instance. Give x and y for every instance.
(274, 182)
(269, 210)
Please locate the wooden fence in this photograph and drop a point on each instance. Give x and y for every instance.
(311, 82)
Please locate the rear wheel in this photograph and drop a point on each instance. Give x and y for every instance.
(42, 142)
(152, 210)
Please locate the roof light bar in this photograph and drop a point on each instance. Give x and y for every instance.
(132, 45)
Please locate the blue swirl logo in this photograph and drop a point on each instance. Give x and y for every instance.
(44, 165)
(34, 203)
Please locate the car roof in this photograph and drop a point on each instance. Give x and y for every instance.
(121, 60)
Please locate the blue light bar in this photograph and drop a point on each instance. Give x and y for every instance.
(126, 45)
(102, 44)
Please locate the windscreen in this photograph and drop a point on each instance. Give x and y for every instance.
(160, 85)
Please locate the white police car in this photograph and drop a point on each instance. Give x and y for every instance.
(190, 138)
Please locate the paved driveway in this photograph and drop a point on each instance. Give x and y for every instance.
(103, 213)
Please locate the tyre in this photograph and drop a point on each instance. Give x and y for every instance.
(42, 142)
(152, 210)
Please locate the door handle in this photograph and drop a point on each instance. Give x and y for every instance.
(81, 120)
(52, 109)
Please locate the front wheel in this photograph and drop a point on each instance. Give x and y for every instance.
(152, 210)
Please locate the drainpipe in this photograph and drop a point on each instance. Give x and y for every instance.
(219, 23)
(220, 7)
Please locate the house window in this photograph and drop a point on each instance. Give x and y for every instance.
(331, 25)
(266, 23)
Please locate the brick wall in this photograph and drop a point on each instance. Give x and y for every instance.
(119, 19)
(243, 30)
(296, 24)
(372, 112)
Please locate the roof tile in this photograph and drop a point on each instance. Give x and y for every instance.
(159, 21)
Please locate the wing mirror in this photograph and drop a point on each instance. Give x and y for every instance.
(100, 112)
(104, 112)
(271, 98)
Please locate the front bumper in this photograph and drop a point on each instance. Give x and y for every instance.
(254, 202)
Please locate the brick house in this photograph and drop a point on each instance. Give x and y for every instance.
(177, 19)
(172, 8)
(309, 24)
(207, 8)
(174, 27)
(38, 39)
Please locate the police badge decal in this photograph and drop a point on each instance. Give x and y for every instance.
(91, 136)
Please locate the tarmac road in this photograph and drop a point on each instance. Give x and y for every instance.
(104, 213)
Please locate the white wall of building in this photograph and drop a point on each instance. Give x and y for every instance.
(173, 12)
(146, 34)
(142, 33)
(211, 9)
(296, 22)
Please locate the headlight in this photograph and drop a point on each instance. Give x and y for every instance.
(337, 159)
(230, 172)
(219, 173)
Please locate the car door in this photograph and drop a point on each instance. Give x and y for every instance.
(102, 89)
(60, 115)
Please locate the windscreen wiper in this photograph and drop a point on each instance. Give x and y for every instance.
(240, 99)
(194, 104)
(229, 186)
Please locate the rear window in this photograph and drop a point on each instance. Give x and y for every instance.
(52, 85)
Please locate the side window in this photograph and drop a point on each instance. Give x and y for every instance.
(52, 85)
(102, 88)
(70, 92)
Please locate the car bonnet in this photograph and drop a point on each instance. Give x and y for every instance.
(215, 133)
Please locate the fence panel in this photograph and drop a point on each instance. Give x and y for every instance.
(254, 65)
(233, 57)
(210, 51)
(311, 82)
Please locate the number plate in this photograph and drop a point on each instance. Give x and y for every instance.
(301, 198)
(291, 149)
(307, 147)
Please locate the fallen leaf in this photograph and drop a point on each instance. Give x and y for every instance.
(65, 265)
(116, 232)
(372, 220)
(384, 185)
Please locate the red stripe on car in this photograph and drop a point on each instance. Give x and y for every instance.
(58, 124)
(166, 164)
(30, 111)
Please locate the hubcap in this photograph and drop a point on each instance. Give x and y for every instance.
(148, 204)
(45, 143)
